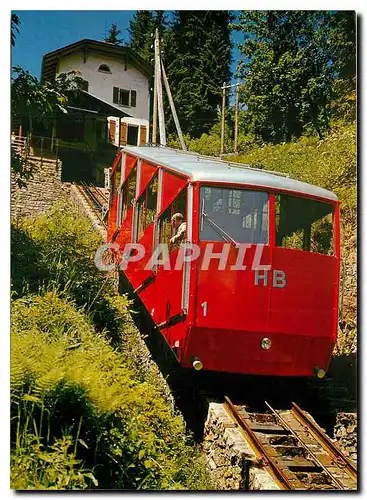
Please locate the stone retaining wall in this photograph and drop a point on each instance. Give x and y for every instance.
(231, 462)
(42, 190)
(345, 432)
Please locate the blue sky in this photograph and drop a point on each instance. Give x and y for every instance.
(43, 31)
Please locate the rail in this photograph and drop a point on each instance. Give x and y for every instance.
(325, 441)
(96, 200)
(261, 453)
(294, 450)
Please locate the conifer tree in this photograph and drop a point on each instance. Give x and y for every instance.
(113, 35)
(198, 56)
(142, 29)
(289, 64)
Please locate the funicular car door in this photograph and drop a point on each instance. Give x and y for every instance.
(166, 295)
(232, 303)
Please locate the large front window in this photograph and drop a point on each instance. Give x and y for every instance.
(304, 224)
(234, 215)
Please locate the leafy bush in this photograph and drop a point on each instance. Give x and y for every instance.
(55, 251)
(63, 243)
(330, 163)
(70, 386)
(84, 412)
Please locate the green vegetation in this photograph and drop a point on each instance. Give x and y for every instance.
(329, 163)
(196, 48)
(142, 30)
(113, 35)
(290, 63)
(84, 414)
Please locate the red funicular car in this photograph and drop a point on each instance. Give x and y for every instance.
(260, 293)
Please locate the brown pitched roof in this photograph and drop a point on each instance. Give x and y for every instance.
(50, 60)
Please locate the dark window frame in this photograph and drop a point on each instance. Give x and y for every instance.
(303, 234)
(119, 97)
(170, 211)
(127, 196)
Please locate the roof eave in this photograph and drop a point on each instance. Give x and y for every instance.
(52, 57)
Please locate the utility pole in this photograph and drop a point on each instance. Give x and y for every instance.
(155, 97)
(236, 119)
(224, 88)
(162, 128)
(173, 109)
(223, 117)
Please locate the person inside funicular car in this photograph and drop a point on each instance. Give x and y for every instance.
(179, 229)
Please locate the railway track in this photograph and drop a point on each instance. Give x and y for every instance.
(294, 449)
(97, 201)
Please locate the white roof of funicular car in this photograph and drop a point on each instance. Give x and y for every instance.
(210, 169)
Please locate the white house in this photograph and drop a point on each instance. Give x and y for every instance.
(114, 75)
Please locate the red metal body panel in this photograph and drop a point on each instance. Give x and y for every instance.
(147, 172)
(300, 319)
(130, 163)
(172, 185)
(168, 287)
(135, 270)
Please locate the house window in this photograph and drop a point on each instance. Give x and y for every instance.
(104, 68)
(133, 98)
(124, 97)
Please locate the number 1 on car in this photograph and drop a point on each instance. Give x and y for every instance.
(204, 305)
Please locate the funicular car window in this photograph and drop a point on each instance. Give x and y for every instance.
(165, 226)
(237, 215)
(116, 179)
(147, 206)
(304, 224)
(128, 193)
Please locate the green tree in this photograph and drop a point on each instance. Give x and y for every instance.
(142, 29)
(15, 23)
(33, 100)
(113, 35)
(343, 43)
(287, 70)
(343, 47)
(198, 55)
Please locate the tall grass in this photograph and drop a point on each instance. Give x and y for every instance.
(82, 414)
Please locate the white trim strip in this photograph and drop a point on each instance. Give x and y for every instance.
(187, 265)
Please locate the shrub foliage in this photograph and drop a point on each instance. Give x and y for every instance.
(81, 415)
